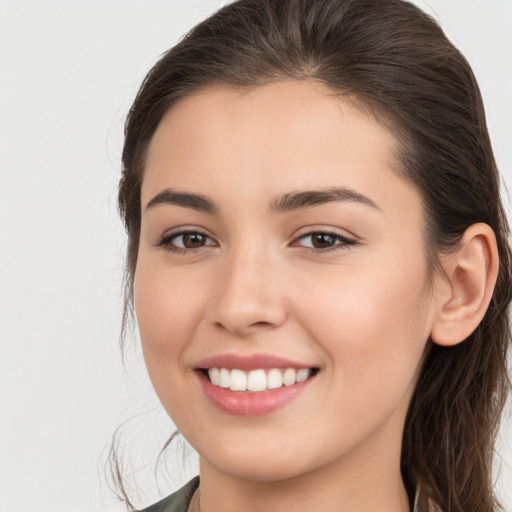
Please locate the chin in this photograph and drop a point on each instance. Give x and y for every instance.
(258, 471)
(259, 461)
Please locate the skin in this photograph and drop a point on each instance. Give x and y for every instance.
(362, 313)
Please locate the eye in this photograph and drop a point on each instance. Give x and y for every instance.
(321, 241)
(185, 241)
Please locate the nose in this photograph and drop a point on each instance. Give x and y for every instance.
(249, 296)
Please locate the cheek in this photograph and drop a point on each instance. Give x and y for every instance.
(372, 324)
(168, 307)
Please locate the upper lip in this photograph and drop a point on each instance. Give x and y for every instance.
(249, 362)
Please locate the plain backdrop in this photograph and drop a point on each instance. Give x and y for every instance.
(68, 72)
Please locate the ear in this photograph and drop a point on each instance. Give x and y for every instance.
(464, 296)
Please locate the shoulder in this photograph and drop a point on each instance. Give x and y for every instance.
(177, 502)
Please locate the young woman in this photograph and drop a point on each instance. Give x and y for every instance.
(318, 260)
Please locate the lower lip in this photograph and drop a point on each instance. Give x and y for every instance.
(251, 404)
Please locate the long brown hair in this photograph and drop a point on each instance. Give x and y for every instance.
(395, 61)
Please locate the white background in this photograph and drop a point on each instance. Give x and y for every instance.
(68, 72)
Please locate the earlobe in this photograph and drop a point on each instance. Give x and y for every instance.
(471, 274)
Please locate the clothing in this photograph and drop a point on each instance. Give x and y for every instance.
(177, 502)
(180, 500)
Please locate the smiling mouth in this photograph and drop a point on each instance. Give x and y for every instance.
(257, 380)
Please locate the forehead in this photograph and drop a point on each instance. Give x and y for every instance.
(281, 118)
(304, 109)
(273, 139)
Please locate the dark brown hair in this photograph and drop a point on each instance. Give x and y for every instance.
(394, 61)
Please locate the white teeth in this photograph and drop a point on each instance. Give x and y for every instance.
(224, 378)
(256, 380)
(274, 379)
(302, 375)
(214, 376)
(238, 380)
(289, 377)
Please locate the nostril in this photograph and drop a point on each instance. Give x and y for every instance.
(246, 315)
(242, 328)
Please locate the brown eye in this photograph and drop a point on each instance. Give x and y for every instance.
(324, 241)
(193, 240)
(186, 240)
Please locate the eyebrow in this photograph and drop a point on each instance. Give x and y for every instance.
(184, 199)
(284, 203)
(298, 200)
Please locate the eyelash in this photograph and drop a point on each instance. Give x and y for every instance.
(166, 241)
(343, 241)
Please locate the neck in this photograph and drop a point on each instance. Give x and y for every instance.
(367, 479)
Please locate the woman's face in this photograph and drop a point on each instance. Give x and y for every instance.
(277, 237)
